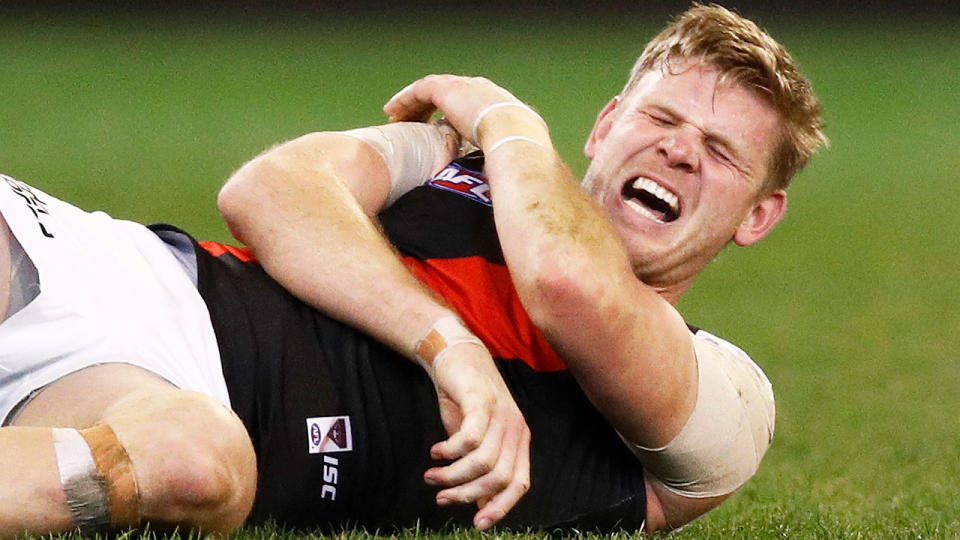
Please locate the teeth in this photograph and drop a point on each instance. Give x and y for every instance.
(643, 210)
(657, 191)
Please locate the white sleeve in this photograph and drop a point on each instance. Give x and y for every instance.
(729, 431)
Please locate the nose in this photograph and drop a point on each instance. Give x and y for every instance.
(679, 149)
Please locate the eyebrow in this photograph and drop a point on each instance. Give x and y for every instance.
(713, 137)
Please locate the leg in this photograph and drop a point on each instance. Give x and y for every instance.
(192, 458)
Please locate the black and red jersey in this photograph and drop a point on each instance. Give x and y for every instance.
(342, 425)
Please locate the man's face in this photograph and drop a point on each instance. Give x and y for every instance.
(679, 164)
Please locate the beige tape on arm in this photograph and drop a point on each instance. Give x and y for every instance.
(97, 477)
(445, 333)
(116, 468)
(412, 151)
(729, 431)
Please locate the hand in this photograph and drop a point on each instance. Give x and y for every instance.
(462, 100)
(489, 439)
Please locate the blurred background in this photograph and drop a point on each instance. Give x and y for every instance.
(143, 109)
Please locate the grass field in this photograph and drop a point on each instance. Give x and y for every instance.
(850, 306)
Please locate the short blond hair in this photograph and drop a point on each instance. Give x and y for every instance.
(746, 55)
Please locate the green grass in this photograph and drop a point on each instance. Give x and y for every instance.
(850, 305)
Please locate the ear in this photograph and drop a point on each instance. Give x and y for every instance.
(600, 127)
(761, 219)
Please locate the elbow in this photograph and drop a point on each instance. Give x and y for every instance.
(237, 199)
(205, 478)
(218, 493)
(556, 295)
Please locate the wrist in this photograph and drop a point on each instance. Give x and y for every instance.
(513, 120)
(446, 333)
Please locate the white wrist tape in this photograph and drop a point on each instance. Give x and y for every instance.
(445, 333)
(412, 151)
(82, 484)
(97, 477)
(511, 138)
(500, 105)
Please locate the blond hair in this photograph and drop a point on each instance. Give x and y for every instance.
(745, 55)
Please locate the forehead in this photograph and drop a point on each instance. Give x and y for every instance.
(695, 92)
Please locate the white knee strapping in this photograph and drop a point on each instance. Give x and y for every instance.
(729, 431)
(413, 152)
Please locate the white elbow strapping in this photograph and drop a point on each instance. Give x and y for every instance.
(412, 151)
(729, 431)
(81, 481)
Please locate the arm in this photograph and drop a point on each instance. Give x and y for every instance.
(628, 348)
(304, 208)
(192, 460)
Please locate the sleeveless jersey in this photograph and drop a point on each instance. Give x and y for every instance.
(110, 291)
(342, 425)
(582, 472)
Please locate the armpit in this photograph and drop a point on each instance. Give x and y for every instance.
(729, 431)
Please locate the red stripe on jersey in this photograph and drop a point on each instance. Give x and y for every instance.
(484, 296)
(217, 249)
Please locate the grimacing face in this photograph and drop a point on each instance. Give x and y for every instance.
(679, 164)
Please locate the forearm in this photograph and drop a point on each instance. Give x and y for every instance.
(628, 348)
(32, 497)
(293, 206)
(146, 454)
(304, 208)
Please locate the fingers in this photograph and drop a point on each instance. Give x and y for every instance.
(412, 104)
(495, 509)
(474, 463)
(460, 99)
(495, 475)
(489, 442)
(474, 430)
(498, 491)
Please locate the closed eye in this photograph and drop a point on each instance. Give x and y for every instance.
(660, 119)
(720, 153)
(725, 156)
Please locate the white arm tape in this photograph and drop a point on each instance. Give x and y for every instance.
(444, 334)
(510, 139)
(729, 431)
(82, 483)
(474, 131)
(413, 152)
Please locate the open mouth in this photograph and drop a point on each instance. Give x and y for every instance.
(651, 199)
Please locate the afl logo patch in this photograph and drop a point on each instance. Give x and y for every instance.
(329, 434)
(463, 181)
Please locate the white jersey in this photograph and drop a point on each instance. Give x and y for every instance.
(110, 292)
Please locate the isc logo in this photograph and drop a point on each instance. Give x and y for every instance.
(325, 435)
(330, 476)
